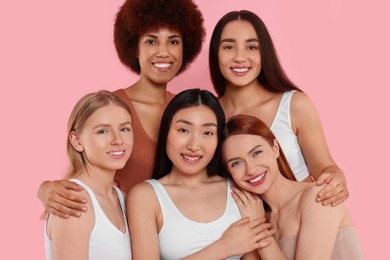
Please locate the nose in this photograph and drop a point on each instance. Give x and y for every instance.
(239, 56)
(162, 50)
(251, 168)
(193, 143)
(117, 139)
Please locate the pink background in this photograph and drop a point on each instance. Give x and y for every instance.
(54, 52)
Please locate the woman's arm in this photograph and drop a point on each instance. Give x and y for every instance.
(240, 238)
(62, 198)
(307, 126)
(70, 237)
(143, 217)
(319, 227)
(251, 205)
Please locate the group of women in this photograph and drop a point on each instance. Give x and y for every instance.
(195, 188)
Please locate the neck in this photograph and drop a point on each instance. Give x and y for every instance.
(277, 199)
(176, 177)
(241, 98)
(147, 92)
(100, 181)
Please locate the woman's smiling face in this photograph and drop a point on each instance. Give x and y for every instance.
(192, 139)
(251, 161)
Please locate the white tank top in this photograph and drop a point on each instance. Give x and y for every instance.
(180, 236)
(281, 127)
(106, 241)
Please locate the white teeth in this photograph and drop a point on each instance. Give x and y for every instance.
(258, 178)
(191, 158)
(116, 153)
(162, 65)
(240, 70)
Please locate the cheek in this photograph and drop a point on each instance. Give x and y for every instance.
(210, 145)
(236, 175)
(129, 139)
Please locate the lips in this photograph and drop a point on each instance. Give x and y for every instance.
(116, 153)
(257, 180)
(162, 65)
(240, 70)
(192, 158)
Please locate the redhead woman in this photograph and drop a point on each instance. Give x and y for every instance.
(304, 229)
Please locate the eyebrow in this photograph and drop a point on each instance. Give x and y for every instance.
(155, 36)
(250, 151)
(189, 123)
(108, 125)
(232, 40)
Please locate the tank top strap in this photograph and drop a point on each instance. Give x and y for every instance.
(166, 203)
(91, 194)
(283, 113)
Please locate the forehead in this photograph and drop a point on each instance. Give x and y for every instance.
(196, 114)
(242, 143)
(239, 28)
(109, 114)
(161, 31)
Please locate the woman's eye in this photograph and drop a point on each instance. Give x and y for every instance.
(253, 47)
(227, 47)
(208, 133)
(151, 42)
(174, 42)
(256, 153)
(102, 131)
(235, 164)
(182, 130)
(126, 129)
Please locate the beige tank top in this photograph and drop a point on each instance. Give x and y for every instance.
(347, 245)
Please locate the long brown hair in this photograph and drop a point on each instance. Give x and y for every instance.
(272, 75)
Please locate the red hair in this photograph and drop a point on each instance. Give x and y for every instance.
(250, 125)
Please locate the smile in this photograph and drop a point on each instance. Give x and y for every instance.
(192, 158)
(257, 179)
(116, 153)
(162, 65)
(240, 70)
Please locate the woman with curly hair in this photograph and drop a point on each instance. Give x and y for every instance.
(156, 40)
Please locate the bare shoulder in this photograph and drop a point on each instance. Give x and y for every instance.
(140, 189)
(310, 192)
(141, 195)
(83, 224)
(310, 206)
(301, 101)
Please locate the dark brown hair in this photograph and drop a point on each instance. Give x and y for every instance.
(272, 76)
(137, 17)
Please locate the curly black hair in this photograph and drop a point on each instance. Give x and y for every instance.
(137, 17)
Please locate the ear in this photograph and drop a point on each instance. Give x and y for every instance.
(74, 140)
(276, 148)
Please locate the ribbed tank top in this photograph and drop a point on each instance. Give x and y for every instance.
(106, 241)
(180, 236)
(281, 127)
(139, 167)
